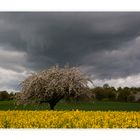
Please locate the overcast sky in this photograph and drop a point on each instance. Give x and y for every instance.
(105, 46)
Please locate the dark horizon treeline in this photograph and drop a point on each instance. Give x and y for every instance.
(5, 96)
(107, 93)
(104, 93)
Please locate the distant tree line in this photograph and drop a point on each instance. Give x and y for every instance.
(5, 96)
(107, 93)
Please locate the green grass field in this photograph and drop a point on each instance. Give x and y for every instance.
(102, 106)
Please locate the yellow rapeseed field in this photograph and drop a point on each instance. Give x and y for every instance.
(69, 119)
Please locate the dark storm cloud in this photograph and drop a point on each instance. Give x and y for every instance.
(102, 44)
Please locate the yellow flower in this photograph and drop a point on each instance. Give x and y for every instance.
(69, 119)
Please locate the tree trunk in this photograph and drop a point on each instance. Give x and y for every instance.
(54, 101)
(52, 105)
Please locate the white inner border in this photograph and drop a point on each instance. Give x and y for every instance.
(69, 5)
(70, 134)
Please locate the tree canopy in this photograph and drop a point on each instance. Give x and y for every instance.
(51, 85)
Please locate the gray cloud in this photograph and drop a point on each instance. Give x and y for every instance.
(103, 44)
(122, 62)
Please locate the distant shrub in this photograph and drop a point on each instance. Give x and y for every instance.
(105, 93)
(131, 98)
(4, 96)
(123, 95)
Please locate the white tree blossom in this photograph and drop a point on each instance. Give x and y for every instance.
(52, 85)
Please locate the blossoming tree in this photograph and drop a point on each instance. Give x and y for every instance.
(52, 85)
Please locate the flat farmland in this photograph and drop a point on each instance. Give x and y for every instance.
(61, 106)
